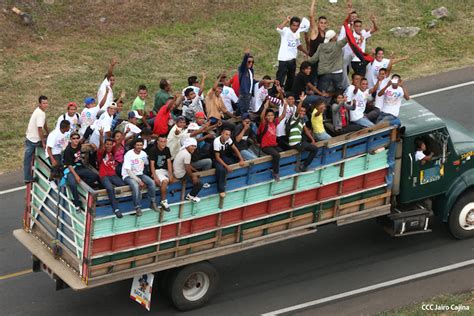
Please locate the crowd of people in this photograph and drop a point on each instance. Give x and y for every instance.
(233, 119)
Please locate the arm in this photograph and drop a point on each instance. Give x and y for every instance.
(239, 137)
(382, 92)
(153, 173)
(170, 170)
(203, 84)
(102, 102)
(374, 88)
(426, 158)
(283, 113)
(302, 49)
(316, 90)
(76, 176)
(41, 135)
(312, 22)
(243, 65)
(374, 27)
(315, 57)
(222, 162)
(284, 23)
(308, 133)
(264, 111)
(50, 154)
(237, 153)
(405, 92)
(110, 70)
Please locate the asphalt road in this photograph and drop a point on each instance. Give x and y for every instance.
(331, 261)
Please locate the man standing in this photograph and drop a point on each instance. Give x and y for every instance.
(57, 141)
(289, 45)
(35, 136)
(161, 169)
(105, 95)
(162, 95)
(246, 82)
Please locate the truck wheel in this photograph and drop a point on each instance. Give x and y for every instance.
(461, 219)
(192, 286)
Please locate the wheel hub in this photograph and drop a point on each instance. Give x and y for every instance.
(196, 286)
(466, 217)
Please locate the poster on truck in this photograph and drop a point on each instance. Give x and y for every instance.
(141, 289)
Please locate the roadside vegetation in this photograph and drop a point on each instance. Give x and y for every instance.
(65, 54)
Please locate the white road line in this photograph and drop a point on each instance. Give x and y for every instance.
(413, 96)
(13, 190)
(443, 89)
(371, 288)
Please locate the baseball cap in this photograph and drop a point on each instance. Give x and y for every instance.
(193, 126)
(71, 104)
(89, 100)
(329, 35)
(200, 115)
(134, 114)
(180, 118)
(245, 116)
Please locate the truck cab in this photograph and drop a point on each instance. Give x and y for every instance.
(445, 183)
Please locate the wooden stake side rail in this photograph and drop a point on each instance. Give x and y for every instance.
(68, 233)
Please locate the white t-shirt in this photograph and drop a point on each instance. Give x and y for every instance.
(37, 119)
(260, 94)
(290, 110)
(373, 70)
(347, 49)
(101, 93)
(134, 162)
(222, 147)
(88, 117)
(75, 121)
(379, 100)
(419, 155)
(57, 141)
(360, 99)
(289, 44)
(361, 40)
(229, 96)
(173, 142)
(134, 130)
(105, 122)
(182, 158)
(392, 101)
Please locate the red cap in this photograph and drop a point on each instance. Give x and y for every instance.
(200, 115)
(70, 104)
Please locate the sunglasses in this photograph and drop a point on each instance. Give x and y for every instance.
(250, 62)
(74, 138)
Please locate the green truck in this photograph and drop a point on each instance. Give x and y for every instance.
(372, 173)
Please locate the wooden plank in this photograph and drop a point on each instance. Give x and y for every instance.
(363, 215)
(358, 202)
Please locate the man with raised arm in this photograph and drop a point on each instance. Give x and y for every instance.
(105, 95)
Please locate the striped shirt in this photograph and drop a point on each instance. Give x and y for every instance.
(296, 129)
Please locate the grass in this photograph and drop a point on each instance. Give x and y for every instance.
(67, 52)
(460, 302)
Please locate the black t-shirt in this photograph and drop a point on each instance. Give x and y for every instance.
(160, 157)
(299, 85)
(243, 144)
(314, 44)
(72, 156)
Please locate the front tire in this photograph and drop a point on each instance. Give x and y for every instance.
(192, 286)
(461, 218)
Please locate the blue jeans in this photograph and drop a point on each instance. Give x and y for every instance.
(135, 187)
(326, 80)
(109, 182)
(28, 159)
(322, 136)
(247, 154)
(395, 121)
(202, 164)
(363, 121)
(221, 172)
(86, 175)
(244, 103)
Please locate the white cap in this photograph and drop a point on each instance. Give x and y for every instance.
(329, 35)
(193, 126)
(190, 141)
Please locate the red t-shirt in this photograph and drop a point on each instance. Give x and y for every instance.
(234, 82)
(269, 139)
(107, 164)
(160, 126)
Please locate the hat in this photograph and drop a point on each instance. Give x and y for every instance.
(113, 105)
(72, 104)
(200, 115)
(329, 35)
(193, 126)
(180, 118)
(134, 114)
(89, 100)
(190, 141)
(245, 116)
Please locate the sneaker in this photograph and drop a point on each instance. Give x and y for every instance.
(276, 177)
(138, 211)
(302, 168)
(164, 206)
(206, 185)
(78, 209)
(154, 207)
(118, 213)
(193, 199)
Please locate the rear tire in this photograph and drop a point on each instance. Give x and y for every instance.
(461, 218)
(192, 286)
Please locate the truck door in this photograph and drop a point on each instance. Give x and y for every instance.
(425, 178)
